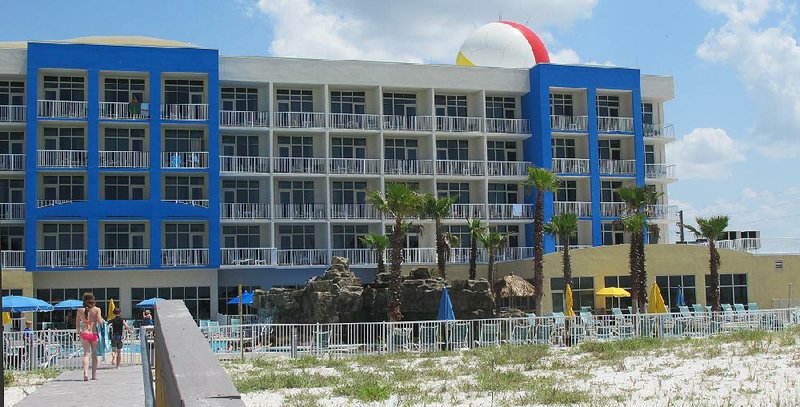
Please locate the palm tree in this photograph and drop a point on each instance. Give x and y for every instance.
(564, 227)
(398, 202)
(436, 209)
(450, 241)
(378, 244)
(476, 229)
(541, 181)
(637, 201)
(493, 242)
(711, 229)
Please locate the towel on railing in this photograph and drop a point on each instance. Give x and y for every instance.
(516, 210)
(104, 341)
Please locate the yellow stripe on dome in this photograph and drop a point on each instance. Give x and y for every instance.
(462, 60)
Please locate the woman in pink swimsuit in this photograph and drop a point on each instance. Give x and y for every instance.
(86, 322)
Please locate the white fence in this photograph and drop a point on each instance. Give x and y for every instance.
(408, 167)
(581, 209)
(12, 113)
(508, 168)
(763, 245)
(508, 126)
(658, 131)
(12, 258)
(305, 120)
(659, 171)
(354, 166)
(125, 159)
(61, 258)
(12, 211)
(571, 165)
(233, 118)
(244, 164)
(458, 124)
(62, 158)
(354, 121)
(301, 211)
(124, 111)
(62, 109)
(460, 167)
(615, 124)
(407, 123)
(245, 211)
(194, 111)
(510, 211)
(571, 123)
(612, 209)
(618, 166)
(184, 159)
(298, 165)
(354, 211)
(260, 256)
(462, 211)
(12, 162)
(115, 258)
(184, 257)
(302, 257)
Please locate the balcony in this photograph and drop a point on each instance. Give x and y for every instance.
(421, 255)
(44, 203)
(255, 165)
(354, 211)
(569, 123)
(62, 109)
(354, 121)
(124, 159)
(659, 172)
(236, 118)
(625, 167)
(613, 209)
(508, 168)
(510, 211)
(245, 211)
(251, 256)
(61, 258)
(508, 126)
(12, 162)
(463, 211)
(12, 113)
(658, 131)
(408, 167)
(615, 124)
(298, 165)
(357, 256)
(407, 123)
(12, 259)
(193, 111)
(662, 212)
(12, 211)
(124, 111)
(122, 258)
(186, 160)
(62, 158)
(301, 211)
(581, 209)
(571, 165)
(460, 167)
(458, 124)
(298, 120)
(202, 203)
(362, 166)
(302, 257)
(184, 257)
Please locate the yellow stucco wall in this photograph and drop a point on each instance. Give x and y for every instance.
(15, 280)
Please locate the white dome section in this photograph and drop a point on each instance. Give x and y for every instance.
(500, 45)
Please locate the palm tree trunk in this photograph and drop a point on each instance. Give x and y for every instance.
(642, 274)
(393, 305)
(538, 251)
(473, 254)
(567, 266)
(381, 262)
(490, 271)
(441, 255)
(633, 264)
(714, 268)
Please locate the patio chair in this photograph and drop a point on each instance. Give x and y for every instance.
(520, 334)
(698, 309)
(727, 313)
(622, 324)
(752, 306)
(594, 328)
(401, 340)
(489, 335)
(322, 342)
(544, 334)
(428, 340)
(459, 335)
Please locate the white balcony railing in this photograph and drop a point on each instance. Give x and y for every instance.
(62, 109)
(354, 211)
(569, 123)
(202, 203)
(422, 255)
(43, 203)
(238, 118)
(357, 256)
(507, 168)
(662, 212)
(302, 257)
(615, 124)
(124, 159)
(117, 258)
(510, 211)
(245, 211)
(12, 211)
(298, 165)
(612, 209)
(300, 120)
(124, 111)
(189, 111)
(571, 165)
(460, 167)
(581, 209)
(618, 166)
(508, 126)
(244, 164)
(659, 171)
(61, 258)
(515, 253)
(62, 158)
(12, 259)
(355, 166)
(354, 121)
(656, 131)
(251, 256)
(183, 159)
(458, 124)
(184, 257)
(301, 211)
(462, 211)
(12, 162)
(12, 113)
(407, 123)
(460, 255)
(408, 167)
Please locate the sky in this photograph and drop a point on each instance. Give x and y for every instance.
(736, 65)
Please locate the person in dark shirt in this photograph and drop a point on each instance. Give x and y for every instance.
(118, 328)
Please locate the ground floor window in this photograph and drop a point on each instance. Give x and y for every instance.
(582, 293)
(227, 293)
(670, 285)
(197, 299)
(620, 282)
(66, 319)
(732, 288)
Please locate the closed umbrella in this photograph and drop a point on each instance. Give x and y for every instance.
(111, 307)
(656, 304)
(149, 303)
(445, 308)
(247, 298)
(568, 302)
(67, 305)
(680, 301)
(18, 303)
(6, 318)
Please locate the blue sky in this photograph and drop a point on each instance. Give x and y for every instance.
(735, 63)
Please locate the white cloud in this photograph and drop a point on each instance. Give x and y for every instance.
(767, 60)
(705, 153)
(411, 30)
(566, 56)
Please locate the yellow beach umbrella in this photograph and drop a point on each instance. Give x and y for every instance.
(656, 304)
(6, 318)
(568, 302)
(612, 292)
(111, 308)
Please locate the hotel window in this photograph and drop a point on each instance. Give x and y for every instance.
(582, 293)
(196, 299)
(399, 104)
(670, 285)
(458, 190)
(63, 236)
(401, 149)
(124, 188)
(124, 139)
(182, 140)
(297, 237)
(183, 91)
(649, 154)
(64, 188)
(501, 150)
(461, 232)
(12, 93)
(348, 236)
(348, 102)
(412, 236)
(732, 288)
(296, 192)
(296, 146)
(12, 238)
(240, 191)
(346, 147)
(66, 319)
(607, 106)
(241, 237)
(240, 146)
(349, 192)
(613, 233)
(503, 193)
(184, 188)
(500, 107)
(65, 88)
(124, 235)
(647, 113)
(608, 191)
(510, 231)
(567, 191)
(623, 282)
(239, 99)
(124, 90)
(610, 149)
(185, 236)
(563, 147)
(11, 142)
(12, 190)
(64, 138)
(561, 104)
(452, 150)
(227, 293)
(295, 100)
(451, 105)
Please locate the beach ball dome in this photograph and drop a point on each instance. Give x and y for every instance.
(503, 44)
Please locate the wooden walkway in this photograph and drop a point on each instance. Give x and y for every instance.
(121, 387)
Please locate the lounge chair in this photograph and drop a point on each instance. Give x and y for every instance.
(520, 335)
(752, 306)
(592, 328)
(428, 340)
(458, 337)
(727, 313)
(622, 324)
(489, 335)
(401, 340)
(698, 309)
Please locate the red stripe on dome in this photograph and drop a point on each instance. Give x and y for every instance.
(540, 54)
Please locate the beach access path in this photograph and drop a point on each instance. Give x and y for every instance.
(121, 387)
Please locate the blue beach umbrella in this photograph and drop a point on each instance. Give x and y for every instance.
(68, 305)
(679, 299)
(445, 308)
(17, 303)
(247, 299)
(151, 303)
